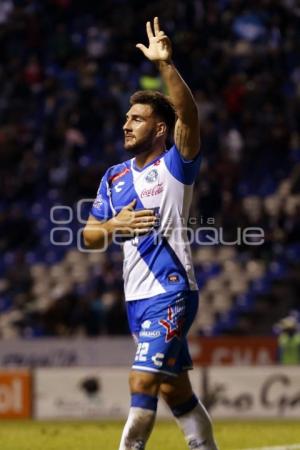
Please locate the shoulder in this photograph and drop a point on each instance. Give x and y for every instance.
(174, 151)
(184, 170)
(117, 171)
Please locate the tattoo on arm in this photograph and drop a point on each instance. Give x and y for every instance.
(182, 135)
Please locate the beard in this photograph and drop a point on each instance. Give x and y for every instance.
(136, 147)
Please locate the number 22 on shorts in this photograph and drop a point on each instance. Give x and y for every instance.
(142, 351)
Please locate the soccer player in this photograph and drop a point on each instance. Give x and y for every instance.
(146, 201)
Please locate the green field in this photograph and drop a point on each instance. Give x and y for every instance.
(27, 435)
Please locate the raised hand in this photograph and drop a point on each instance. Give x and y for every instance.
(160, 48)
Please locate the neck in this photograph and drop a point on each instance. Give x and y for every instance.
(145, 158)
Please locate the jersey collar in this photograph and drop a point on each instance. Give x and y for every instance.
(134, 166)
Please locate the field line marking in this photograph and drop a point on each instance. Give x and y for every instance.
(284, 447)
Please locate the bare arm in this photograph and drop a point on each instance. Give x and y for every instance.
(187, 129)
(97, 234)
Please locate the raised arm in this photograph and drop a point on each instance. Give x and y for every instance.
(187, 129)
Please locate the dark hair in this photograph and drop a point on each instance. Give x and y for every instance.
(160, 104)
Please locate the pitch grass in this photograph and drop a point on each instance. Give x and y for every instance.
(29, 435)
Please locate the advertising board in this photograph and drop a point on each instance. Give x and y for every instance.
(253, 392)
(233, 351)
(15, 394)
(87, 393)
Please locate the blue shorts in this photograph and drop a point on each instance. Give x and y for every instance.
(159, 326)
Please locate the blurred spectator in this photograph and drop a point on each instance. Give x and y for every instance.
(289, 341)
(6, 8)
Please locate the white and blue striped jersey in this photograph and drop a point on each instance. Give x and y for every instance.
(160, 261)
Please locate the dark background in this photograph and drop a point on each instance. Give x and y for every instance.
(67, 70)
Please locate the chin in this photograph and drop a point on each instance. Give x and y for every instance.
(129, 148)
(134, 149)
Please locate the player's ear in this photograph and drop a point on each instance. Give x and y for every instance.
(161, 129)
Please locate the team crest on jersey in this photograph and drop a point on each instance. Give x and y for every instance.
(151, 176)
(172, 325)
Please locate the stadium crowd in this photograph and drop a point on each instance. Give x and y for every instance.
(67, 70)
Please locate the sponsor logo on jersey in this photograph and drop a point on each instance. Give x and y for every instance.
(146, 324)
(150, 334)
(155, 190)
(172, 325)
(151, 176)
(119, 185)
(118, 175)
(158, 359)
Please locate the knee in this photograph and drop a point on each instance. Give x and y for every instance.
(169, 394)
(141, 382)
(176, 393)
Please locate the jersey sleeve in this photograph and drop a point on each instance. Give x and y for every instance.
(101, 208)
(182, 169)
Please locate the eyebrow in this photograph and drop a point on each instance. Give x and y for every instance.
(135, 116)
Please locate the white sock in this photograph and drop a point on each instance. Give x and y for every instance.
(137, 429)
(197, 428)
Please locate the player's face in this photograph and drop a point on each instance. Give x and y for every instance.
(140, 129)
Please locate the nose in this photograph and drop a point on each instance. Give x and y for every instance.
(127, 126)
